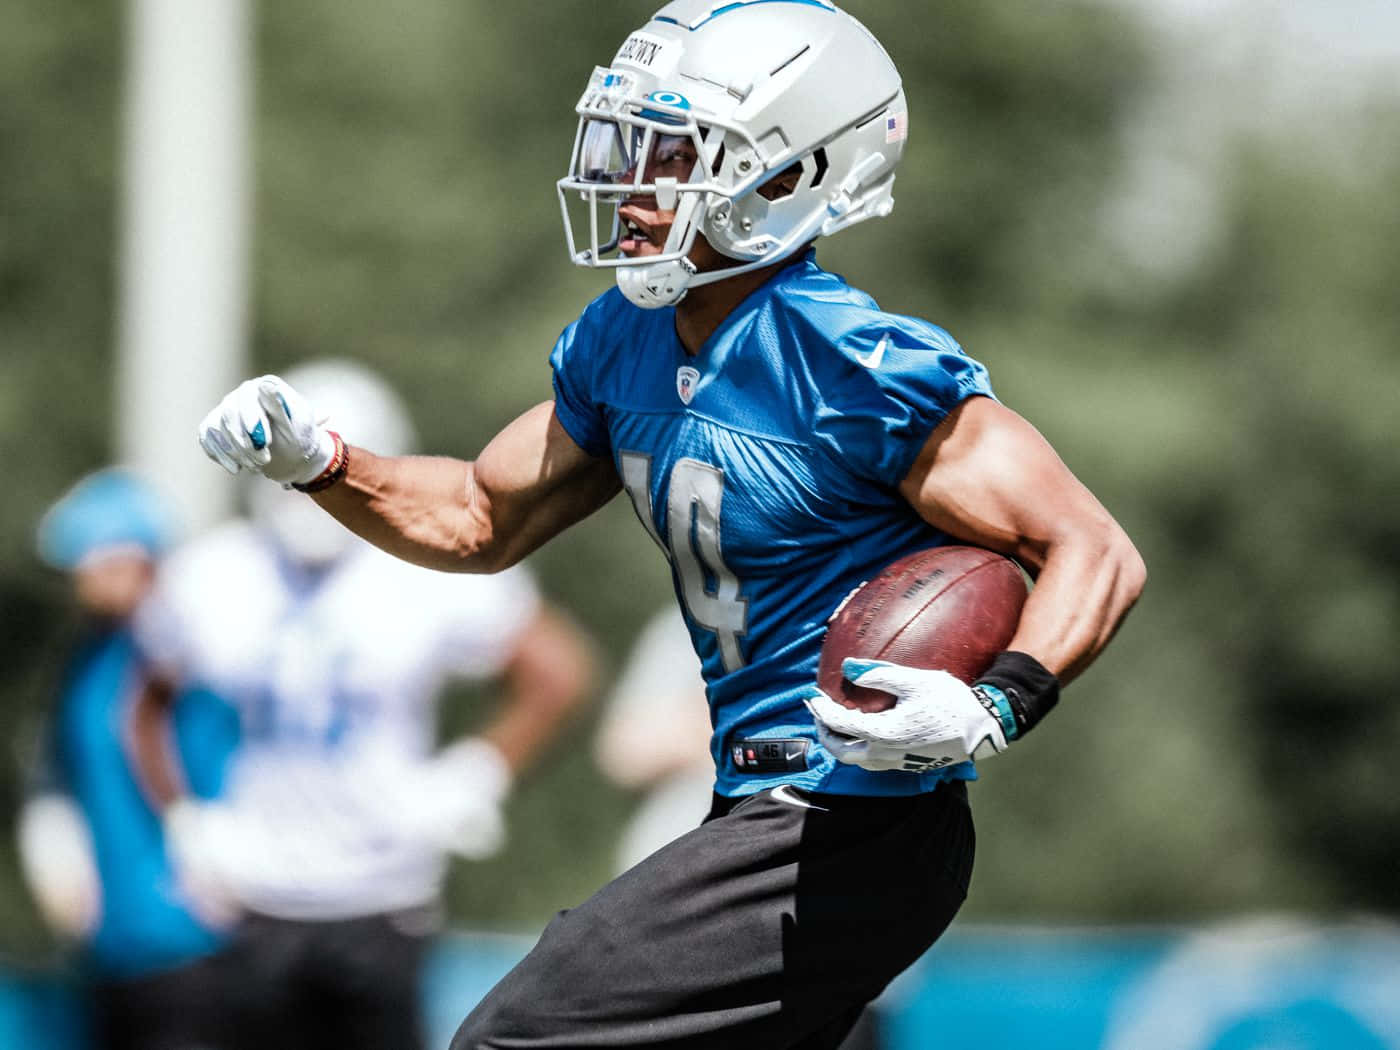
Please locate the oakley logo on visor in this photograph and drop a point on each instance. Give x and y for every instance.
(669, 98)
(673, 99)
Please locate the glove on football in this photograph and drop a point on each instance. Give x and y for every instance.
(264, 425)
(936, 720)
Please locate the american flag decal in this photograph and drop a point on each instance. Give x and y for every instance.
(897, 127)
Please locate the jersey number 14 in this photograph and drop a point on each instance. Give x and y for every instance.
(693, 546)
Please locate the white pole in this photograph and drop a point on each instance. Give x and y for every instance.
(184, 245)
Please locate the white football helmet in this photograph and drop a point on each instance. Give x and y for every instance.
(362, 408)
(757, 87)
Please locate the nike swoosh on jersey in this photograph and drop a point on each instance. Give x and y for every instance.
(783, 793)
(873, 359)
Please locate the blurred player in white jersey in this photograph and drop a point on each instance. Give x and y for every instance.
(332, 841)
(654, 736)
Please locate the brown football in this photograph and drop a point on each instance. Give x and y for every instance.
(948, 608)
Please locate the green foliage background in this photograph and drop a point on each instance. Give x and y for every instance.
(1234, 750)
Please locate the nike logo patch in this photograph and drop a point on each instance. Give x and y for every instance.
(873, 359)
(769, 754)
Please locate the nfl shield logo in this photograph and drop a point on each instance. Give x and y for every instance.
(686, 378)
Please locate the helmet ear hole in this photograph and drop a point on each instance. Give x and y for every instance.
(719, 161)
(783, 184)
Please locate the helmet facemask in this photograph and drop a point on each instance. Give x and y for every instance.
(620, 151)
(621, 146)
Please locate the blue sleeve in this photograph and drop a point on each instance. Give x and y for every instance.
(897, 381)
(573, 361)
(59, 756)
(207, 735)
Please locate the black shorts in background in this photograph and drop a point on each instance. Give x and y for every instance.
(769, 927)
(351, 984)
(185, 1008)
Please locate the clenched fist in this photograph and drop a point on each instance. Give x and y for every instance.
(264, 425)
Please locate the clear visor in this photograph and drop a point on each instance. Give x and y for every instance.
(610, 154)
(605, 154)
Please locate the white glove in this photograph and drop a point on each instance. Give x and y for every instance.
(266, 426)
(58, 861)
(936, 720)
(454, 799)
(203, 842)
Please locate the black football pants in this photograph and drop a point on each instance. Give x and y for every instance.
(769, 927)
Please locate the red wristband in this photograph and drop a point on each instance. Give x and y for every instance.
(335, 469)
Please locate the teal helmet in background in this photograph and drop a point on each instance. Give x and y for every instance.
(111, 510)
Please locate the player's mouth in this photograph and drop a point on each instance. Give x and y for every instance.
(640, 237)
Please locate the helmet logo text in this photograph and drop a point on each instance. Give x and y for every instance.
(640, 50)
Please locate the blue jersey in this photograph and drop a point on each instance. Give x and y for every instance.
(146, 924)
(766, 467)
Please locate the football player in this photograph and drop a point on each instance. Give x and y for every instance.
(121, 744)
(781, 439)
(333, 834)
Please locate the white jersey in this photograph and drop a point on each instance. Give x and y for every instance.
(655, 733)
(336, 678)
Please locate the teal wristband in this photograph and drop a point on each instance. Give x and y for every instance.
(1028, 687)
(994, 700)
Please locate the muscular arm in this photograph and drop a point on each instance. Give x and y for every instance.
(987, 476)
(529, 483)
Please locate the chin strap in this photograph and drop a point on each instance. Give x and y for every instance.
(660, 284)
(652, 286)
(665, 283)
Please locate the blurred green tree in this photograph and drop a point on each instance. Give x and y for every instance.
(1296, 317)
(59, 87)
